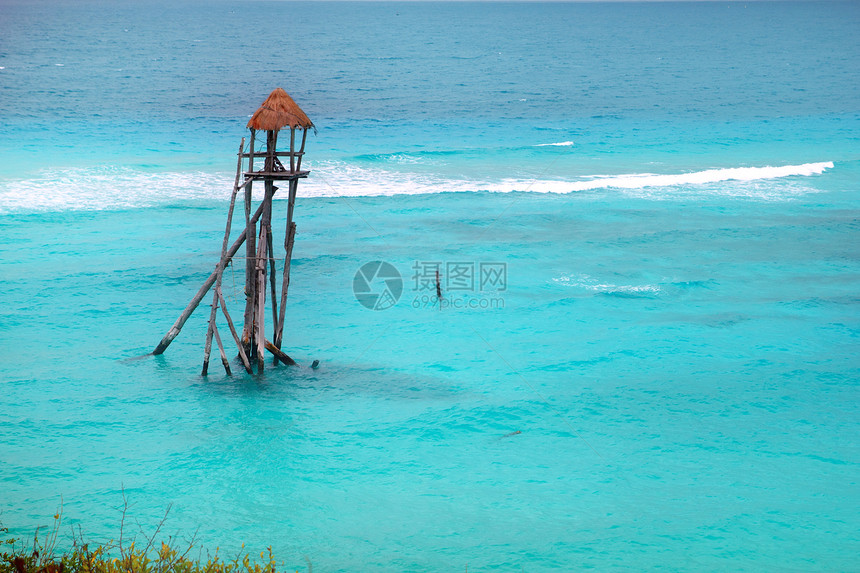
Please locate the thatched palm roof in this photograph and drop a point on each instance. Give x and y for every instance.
(279, 110)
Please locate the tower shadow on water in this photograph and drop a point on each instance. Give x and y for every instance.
(276, 113)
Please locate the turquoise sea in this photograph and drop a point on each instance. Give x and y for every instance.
(646, 217)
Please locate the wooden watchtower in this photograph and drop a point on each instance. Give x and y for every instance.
(276, 113)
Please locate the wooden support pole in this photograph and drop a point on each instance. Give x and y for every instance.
(251, 150)
(272, 279)
(250, 253)
(260, 273)
(244, 357)
(292, 150)
(291, 203)
(224, 360)
(208, 347)
(279, 355)
(250, 287)
(260, 303)
(221, 264)
(189, 310)
(271, 150)
(302, 149)
(288, 246)
(285, 282)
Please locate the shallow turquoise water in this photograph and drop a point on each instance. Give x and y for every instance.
(676, 344)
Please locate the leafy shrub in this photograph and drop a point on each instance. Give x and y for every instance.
(121, 556)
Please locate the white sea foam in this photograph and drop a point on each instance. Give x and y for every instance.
(590, 283)
(643, 180)
(347, 180)
(121, 188)
(559, 144)
(406, 159)
(109, 188)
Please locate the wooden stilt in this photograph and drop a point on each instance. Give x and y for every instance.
(271, 150)
(195, 301)
(244, 357)
(302, 149)
(208, 347)
(260, 308)
(224, 360)
(221, 263)
(272, 279)
(291, 203)
(260, 271)
(289, 238)
(250, 254)
(279, 355)
(285, 283)
(250, 286)
(292, 150)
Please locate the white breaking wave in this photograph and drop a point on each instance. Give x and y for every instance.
(104, 188)
(590, 283)
(559, 144)
(347, 180)
(122, 188)
(642, 180)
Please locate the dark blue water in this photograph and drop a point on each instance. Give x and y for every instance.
(671, 190)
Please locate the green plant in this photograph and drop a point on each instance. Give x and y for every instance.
(123, 556)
